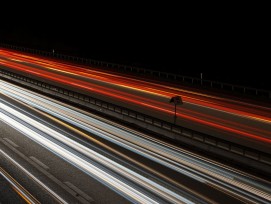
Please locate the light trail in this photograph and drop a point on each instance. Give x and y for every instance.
(191, 165)
(73, 153)
(29, 174)
(19, 189)
(70, 75)
(165, 90)
(155, 105)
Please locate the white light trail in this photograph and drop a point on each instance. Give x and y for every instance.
(91, 169)
(192, 165)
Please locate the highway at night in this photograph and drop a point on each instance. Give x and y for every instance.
(55, 152)
(240, 122)
(125, 160)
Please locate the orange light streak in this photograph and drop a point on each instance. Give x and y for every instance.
(55, 69)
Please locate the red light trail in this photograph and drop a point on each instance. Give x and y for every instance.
(149, 96)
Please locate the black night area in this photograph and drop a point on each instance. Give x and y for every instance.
(225, 47)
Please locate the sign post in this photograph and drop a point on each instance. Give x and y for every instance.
(177, 100)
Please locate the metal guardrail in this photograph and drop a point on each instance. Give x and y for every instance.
(173, 131)
(180, 79)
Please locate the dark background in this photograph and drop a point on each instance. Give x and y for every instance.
(224, 44)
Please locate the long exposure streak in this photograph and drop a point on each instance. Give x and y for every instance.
(149, 95)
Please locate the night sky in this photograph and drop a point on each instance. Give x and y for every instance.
(228, 47)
